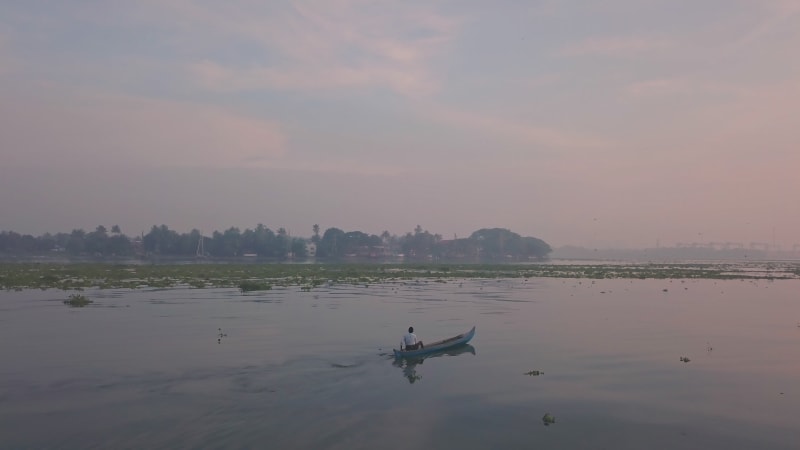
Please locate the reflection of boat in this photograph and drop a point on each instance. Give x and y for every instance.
(409, 364)
(437, 346)
(451, 351)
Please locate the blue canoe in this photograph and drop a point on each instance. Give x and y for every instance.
(437, 346)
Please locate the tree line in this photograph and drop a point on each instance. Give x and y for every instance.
(486, 244)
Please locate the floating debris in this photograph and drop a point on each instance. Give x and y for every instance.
(250, 286)
(77, 300)
(534, 373)
(548, 419)
(685, 359)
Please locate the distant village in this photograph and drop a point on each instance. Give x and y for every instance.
(262, 243)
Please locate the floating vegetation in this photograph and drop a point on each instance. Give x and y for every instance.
(199, 284)
(534, 373)
(221, 335)
(77, 300)
(258, 277)
(548, 419)
(250, 286)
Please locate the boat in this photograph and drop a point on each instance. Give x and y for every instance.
(437, 346)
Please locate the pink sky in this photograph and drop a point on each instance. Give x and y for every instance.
(607, 125)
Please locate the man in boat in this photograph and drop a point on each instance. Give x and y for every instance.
(410, 341)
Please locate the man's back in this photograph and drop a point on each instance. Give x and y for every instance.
(410, 339)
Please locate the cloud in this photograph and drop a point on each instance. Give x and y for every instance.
(5, 56)
(93, 128)
(327, 45)
(614, 46)
(737, 137)
(658, 87)
(248, 45)
(760, 122)
(775, 15)
(216, 77)
(526, 133)
(684, 85)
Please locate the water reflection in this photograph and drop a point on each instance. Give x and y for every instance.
(304, 377)
(409, 364)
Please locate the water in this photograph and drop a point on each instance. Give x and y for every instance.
(313, 370)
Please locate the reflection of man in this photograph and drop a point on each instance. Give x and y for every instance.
(409, 366)
(410, 342)
(411, 373)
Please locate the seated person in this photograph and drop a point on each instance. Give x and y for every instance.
(410, 342)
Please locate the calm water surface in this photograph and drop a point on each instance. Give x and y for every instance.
(313, 370)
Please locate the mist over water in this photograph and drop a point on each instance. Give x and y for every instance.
(188, 368)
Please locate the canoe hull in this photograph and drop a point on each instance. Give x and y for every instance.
(437, 346)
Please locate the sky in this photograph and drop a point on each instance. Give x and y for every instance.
(614, 124)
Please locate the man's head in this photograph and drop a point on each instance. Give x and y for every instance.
(410, 329)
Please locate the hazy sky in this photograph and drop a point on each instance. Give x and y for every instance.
(605, 124)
